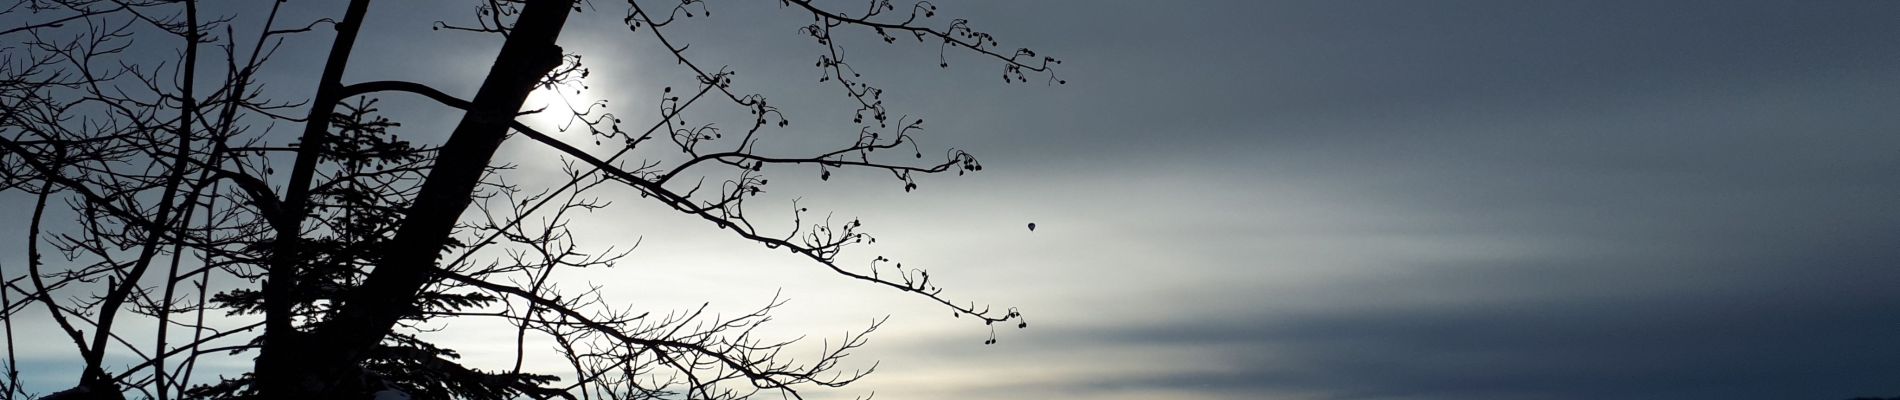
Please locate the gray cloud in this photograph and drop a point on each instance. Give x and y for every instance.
(1320, 199)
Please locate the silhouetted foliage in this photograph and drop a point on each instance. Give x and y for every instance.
(160, 190)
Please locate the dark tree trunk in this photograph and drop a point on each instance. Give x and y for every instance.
(280, 361)
(334, 350)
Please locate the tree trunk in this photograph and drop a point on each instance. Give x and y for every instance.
(280, 361)
(336, 348)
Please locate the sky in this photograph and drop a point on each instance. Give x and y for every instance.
(1304, 199)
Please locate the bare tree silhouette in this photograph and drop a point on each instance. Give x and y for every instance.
(139, 133)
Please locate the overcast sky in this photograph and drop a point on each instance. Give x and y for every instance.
(1314, 200)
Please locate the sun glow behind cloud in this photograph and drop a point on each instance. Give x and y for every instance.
(551, 109)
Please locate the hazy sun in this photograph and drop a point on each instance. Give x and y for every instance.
(556, 105)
